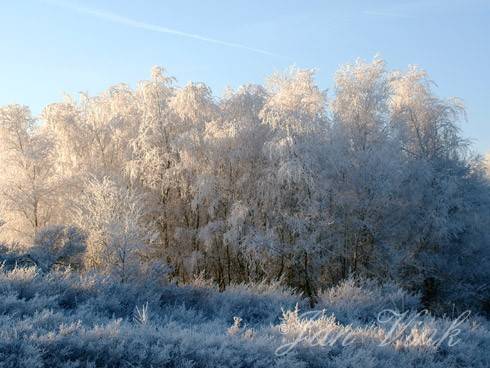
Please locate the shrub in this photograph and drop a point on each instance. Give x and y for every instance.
(58, 245)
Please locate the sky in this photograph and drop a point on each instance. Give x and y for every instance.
(55, 47)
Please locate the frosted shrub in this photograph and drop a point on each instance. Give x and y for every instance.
(361, 299)
(61, 246)
(8, 257)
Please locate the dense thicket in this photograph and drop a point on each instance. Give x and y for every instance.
(274, 182)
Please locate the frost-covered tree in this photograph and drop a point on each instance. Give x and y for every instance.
(440, 190)
(226, 187)
(29, 188)
(92, 135)
(290, 191)
(167, 156)
(118, 241)
(360, 105)
(426, 124)
(155, 156)
(363, 170)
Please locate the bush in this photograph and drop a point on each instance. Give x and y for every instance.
(58, 245)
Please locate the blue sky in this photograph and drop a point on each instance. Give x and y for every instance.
(51, 47)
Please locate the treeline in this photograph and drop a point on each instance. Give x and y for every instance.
(274, 182)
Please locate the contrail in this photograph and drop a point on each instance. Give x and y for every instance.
(115, 18)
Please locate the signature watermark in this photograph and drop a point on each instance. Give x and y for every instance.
(314, 328)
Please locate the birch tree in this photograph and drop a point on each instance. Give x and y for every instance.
(28, 185)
